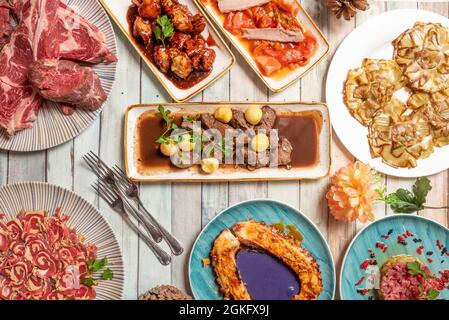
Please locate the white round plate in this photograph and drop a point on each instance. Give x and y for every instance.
(373, 40)
(88, 221)
(52, 127)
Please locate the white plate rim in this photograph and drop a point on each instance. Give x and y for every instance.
(336, 107)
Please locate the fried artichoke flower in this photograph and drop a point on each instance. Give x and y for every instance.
(435, 107)
(370, 87)
(421, 52)
(400, 141)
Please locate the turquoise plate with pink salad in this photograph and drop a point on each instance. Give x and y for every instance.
(394, 235)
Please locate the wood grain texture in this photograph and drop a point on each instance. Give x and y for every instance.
(186, 208)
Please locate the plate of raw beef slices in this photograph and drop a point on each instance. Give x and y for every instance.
(57, 67)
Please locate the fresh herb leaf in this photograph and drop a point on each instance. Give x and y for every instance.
(414, 268)
(405, 201)
(90, 262)
(163, 29)
(421, 189)
(99, 264)
(187, 118)
(88, 281)
(164, 114)
(432, 294)
(107, 274)
(169, 125)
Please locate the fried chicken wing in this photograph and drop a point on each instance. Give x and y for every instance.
(181, 17)
(223, 261)
(142, 29)
(162, 58)
(199, 24)
(194, 45)
(288, 250)
(179, 40)
(167, 4)
(150, 9)
(181, 64)
(204, 60)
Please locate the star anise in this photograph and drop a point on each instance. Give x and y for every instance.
(347, 8)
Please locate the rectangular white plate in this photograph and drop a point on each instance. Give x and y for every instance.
(321, 169)
(224, 60)
(274, 84)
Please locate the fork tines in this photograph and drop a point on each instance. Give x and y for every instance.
(105, 192)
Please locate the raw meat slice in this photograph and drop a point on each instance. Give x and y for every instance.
(46, 29)
(19, 106)
(18, 102)
(5, 23)
(75, 38)
(68, 83)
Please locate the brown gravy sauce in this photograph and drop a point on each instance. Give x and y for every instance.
(194, 78)
(302, 129)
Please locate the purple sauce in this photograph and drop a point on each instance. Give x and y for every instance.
(266, 277)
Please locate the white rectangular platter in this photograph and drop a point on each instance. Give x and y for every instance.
(319, 170)
(275, 84)
(224, 60)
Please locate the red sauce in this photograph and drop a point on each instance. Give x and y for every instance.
(211, 41)
(274, 59)
(194, 78)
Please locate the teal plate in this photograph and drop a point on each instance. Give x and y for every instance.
(202, 279)
(425, 232)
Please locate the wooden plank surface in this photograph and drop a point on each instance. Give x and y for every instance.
(186, 208)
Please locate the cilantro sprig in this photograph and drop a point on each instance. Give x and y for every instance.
(163, 29)
(94, 266)
(406, 201)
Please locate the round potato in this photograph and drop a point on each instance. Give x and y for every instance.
(169, 149)
(223, 114)
(260, 142)
(210, 165)
(253, 115)
(186, 144)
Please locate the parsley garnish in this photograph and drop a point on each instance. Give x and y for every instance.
(163, 29)
(406, 201)
(187, 118)
(170, 125)
(414, 268)
(97, 266)
(432, 294)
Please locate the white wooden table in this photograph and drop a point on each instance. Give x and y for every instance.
(186, 208)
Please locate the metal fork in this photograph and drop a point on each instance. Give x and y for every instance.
(107, 175)
(132, 190)
(108, 195)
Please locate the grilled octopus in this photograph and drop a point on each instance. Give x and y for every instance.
(258, 235)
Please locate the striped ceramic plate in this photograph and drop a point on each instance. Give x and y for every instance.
(31, 196)
(51, 127)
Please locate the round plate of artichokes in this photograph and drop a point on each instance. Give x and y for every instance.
(388, 93)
